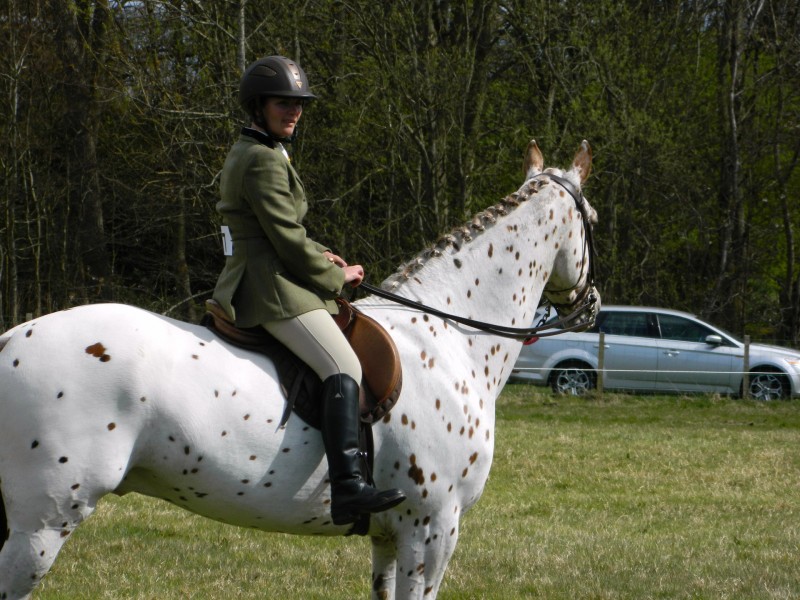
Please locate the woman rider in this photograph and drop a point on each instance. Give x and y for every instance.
(285, 282)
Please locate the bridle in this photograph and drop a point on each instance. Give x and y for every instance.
(580, 318)
(588, 240)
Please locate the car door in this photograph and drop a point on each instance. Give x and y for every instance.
(630, 351)
(688, 363)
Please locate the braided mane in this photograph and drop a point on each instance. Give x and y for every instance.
(463, 234)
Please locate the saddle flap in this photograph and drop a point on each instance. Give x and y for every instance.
(380, 360)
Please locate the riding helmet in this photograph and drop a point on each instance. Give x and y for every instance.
(273, 76)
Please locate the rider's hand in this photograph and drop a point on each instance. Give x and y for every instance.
(353, 275)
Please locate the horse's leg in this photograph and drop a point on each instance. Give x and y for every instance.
(42, 511)
(41, 518)
(424, 548)
(26, 558)
(384, 567)
(47, 493)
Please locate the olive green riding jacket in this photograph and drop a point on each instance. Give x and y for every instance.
(276, 271)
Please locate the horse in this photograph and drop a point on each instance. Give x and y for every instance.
(110, 398)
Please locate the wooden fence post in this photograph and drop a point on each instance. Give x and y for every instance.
(746, 368)
(601, 359)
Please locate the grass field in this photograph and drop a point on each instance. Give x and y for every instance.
(613, 498)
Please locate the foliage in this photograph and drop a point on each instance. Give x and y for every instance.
(118, 115)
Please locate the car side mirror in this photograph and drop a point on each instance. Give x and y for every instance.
(713, 340)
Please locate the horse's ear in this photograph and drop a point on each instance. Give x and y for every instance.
(582, 163)
(533, 159)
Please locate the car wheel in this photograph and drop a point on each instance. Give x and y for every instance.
(768, 386)
(572, 378)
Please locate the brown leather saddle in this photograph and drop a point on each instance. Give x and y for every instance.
(380, 363)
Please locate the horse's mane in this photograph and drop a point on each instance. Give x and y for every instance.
(463, 234)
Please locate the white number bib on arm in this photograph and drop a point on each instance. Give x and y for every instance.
(227, 241)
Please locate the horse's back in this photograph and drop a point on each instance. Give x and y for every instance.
(67, 336)
(81, 358)
(112, 367)
(76, 383)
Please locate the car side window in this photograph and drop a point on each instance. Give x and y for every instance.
(678, 328)
(625, 323)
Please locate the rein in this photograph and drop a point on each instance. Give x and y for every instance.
(587, 297)
(517, 333)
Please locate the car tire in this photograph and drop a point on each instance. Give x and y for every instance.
(572, 378)
(767, 385)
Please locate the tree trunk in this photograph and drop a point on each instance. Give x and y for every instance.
(737, 20)
(80, 41)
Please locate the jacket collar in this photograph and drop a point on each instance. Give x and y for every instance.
(259, 136)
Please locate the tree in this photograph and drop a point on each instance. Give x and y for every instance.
(80, 47)
(118, 116)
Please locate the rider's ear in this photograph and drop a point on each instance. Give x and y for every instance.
(582, 163)
(533, 163)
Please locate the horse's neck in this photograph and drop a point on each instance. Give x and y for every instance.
(497, 276)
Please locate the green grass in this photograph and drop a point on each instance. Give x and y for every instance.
(620, 497)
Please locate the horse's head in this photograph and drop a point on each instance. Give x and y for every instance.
(570, 288)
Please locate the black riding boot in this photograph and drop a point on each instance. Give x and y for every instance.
(351, 495)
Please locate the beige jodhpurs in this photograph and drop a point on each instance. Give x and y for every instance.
(317, 340)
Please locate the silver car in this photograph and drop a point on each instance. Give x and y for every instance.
(657, 349)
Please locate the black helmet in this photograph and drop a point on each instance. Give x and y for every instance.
(273, 76)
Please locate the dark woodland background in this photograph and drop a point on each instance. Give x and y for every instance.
(116, 118)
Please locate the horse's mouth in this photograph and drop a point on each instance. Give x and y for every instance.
(581, 313)
(588, 316)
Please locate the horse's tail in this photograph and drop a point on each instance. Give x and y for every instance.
(3, 522)
(4, 532)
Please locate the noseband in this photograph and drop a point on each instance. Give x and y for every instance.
(583, 309)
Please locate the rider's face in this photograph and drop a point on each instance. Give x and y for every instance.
(282, 115)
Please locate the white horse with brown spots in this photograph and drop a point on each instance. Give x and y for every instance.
(113, 399)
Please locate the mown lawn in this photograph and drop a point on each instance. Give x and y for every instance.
(621, 497)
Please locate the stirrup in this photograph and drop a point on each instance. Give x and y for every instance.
(350, 512)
